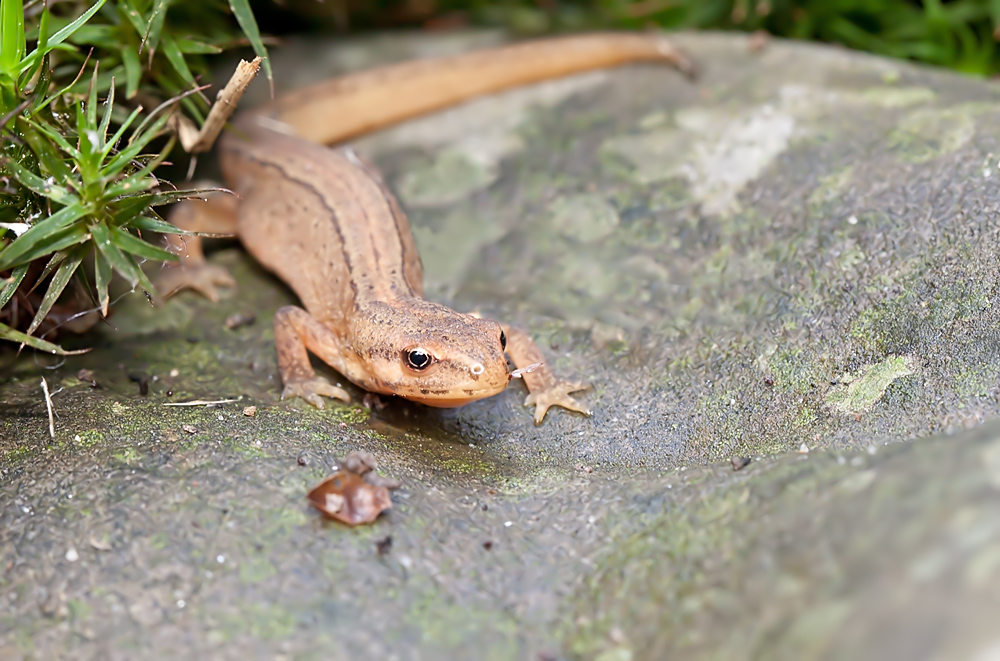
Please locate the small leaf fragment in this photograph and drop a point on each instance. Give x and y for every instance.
(346, 497)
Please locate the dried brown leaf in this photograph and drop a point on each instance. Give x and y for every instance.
(346, 497)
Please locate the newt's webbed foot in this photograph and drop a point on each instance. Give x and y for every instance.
(313, 390)
(557, 395)
(203, 278)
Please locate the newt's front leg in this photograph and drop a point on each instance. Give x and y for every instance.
(295, 332)
(544, 388)
(216, 215)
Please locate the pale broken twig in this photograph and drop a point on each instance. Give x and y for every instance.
(48, 404)
(203, 402)
(196, 141)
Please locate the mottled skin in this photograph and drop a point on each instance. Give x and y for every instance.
(324, 221)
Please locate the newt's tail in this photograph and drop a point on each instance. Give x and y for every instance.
(348, 106)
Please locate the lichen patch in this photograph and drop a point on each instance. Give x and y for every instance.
(859, 391)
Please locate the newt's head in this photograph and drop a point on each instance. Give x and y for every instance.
(430, 354)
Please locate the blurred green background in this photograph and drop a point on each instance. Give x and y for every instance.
(960, 34)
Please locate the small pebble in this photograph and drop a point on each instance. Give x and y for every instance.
(803, 449)
(239, 320)
(175, 373)
(739, 463)
(72, 555)
(250, 411)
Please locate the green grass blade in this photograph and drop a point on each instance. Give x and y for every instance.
(121, 131)
(11, 36)
(102, 279)
(118, 260)
(34, 183)
(102, 36)
(56, 137)
(167, 197)
(90, 108)
(140, 248)
(192, 47)
(44, 230)
(132, 15)
(15, 281)
(40, 98)
(151, 36)
(150, 223)
(133, 70)
(142, 137)
(128, 208)
(136, 183)
(48, 157)
(109, 104)
(59, 37)
(244, 16)
(11, 335)
(144, 282)
(56, 259)
(176, 59)
(61, 240)
(43, 29)
(45, 74)
(56, 287)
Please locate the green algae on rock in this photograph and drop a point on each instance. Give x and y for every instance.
(859, 391)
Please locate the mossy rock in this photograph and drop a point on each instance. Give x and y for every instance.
(791, 260)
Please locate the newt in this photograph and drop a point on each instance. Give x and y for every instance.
(325, 222)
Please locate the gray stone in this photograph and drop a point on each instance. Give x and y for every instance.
(792, 260)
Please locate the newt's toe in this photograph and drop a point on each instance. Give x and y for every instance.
(558, 394)
(202, 278)
(313, 390)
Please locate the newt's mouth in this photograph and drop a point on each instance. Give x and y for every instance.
(457, 396)
(450, 402)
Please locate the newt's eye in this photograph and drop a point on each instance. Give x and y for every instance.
(503, 341)
(418, 359)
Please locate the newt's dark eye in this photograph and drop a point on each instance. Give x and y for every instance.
(418, 359)
(503, 341)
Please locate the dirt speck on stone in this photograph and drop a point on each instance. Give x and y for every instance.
(384, 545)
(240, 319)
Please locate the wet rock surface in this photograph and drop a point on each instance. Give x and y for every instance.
(792, 260)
